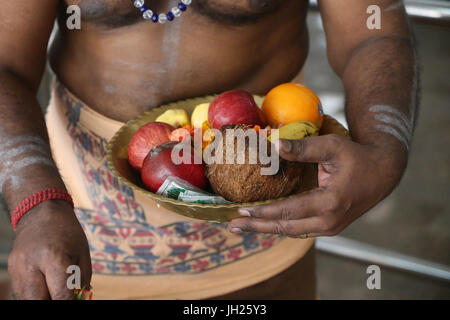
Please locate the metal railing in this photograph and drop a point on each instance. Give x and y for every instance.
(344, 247)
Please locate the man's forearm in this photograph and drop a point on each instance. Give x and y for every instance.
(381, 85)
(26, 165)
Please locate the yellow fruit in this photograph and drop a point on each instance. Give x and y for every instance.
(208, 136)
(290, 102)
(297, 130)
(175, 117)
(200, 115)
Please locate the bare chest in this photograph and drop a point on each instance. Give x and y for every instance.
(118, 13)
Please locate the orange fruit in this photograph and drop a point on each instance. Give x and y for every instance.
(290, 102)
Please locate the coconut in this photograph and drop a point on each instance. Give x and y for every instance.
(243, 182)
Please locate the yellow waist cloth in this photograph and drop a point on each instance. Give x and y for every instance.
(140, 251)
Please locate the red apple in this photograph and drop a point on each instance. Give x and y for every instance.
(158, 165)
(234, 107)
(145, 139)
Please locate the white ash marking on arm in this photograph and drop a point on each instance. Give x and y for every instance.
(395, 123)
(392, 131)
(21, 152)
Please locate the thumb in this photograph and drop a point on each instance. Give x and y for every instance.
(314, 149)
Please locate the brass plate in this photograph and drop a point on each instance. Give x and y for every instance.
(117, 158)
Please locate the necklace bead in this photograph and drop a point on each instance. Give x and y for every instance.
(170, 16)
(138, 3)
(176, 12)
(148, 14)
(162, 18)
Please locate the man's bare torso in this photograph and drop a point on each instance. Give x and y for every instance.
(121, 65)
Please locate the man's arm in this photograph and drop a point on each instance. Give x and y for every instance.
(378, 68)
(379, 73)
(49, 237)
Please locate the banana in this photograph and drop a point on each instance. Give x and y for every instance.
(200, 115)
(297, 130)
(175, 117)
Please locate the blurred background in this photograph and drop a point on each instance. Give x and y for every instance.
(408, 234)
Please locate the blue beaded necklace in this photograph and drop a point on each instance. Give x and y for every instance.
(148, 14)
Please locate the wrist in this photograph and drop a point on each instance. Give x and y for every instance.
(397, 151)
(44, 213)
(391, 161)
(394, 150)
(41, 200)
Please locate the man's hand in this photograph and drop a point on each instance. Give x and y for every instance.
(49, 239)
(352, 178)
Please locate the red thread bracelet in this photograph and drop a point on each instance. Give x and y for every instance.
(28, 203)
